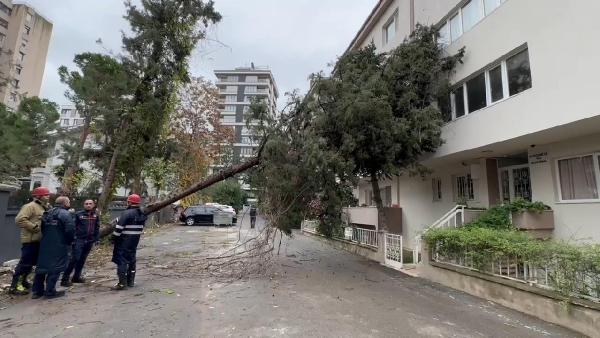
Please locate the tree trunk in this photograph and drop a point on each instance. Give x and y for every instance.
(215, 178)
(108, 183)
(67, 184)
(382, 224)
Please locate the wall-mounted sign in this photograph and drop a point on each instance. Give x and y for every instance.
(538, 158)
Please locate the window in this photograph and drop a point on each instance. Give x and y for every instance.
(250, 89)
(389, 29)
(14, 97)
(444, 38)
(3, 23)
(246, 131)
(2, 39)
(476, 93)
(64, 122)
(64, 112)
(464, 188)
(578, 178)
(79, 122)
(252, 79)
(27, 29)
(231, 89)
(15, 83)
(455, 28)
(386, 196)
(472, 13)
(22, 56)
(505, 79)
(246, 151)
(230, 108)
(458, 100)
(519, 73)
(247, 140)
(496, 87)
(231, 98)
(436, 186)
(232, 78)
(491, 5)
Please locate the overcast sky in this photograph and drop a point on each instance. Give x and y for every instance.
(293, 37)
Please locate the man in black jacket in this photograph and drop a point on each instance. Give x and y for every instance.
(57, 236)
(87, 232)
(126, 237)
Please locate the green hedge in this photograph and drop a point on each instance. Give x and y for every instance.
(575, 269)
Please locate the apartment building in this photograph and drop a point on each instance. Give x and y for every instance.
(24, 39)
(524, 118)
(237, 88)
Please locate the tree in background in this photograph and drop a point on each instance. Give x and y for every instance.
(380, 110)
(228, 192)
(195, 131)
(97, 89)
(27, 136)
(161, 173)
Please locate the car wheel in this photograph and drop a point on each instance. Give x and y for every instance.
(189, 221)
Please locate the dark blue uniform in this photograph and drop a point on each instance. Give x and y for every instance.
(87, 232)
(127, 234)
(57, 236)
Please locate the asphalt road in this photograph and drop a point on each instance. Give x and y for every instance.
(310, 290)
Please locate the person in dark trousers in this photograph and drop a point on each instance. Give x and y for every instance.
(252, 217)
(87, 232)
(126, 237)
(58, 232)
(29, 219)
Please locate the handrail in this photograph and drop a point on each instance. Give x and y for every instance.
(450, 213)
(439, 224)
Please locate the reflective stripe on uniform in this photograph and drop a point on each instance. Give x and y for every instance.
(119, 226)
(131, 232)
(116, 233)
(134, 226)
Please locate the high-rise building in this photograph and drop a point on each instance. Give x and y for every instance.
(237, 88)
(24, 39)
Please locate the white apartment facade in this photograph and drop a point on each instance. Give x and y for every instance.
(237, 88)
(524, 123)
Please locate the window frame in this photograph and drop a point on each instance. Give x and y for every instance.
(596, 163)
(393, 19)
(436, 189)
(474, 186)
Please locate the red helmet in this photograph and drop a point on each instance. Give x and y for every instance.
(40, 191)
(134, 199)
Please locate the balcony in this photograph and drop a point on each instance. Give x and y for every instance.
(368, 218)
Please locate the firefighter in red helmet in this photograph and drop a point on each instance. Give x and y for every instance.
(126, 237)
(29, 219)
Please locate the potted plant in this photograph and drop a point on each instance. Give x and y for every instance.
(527, 215)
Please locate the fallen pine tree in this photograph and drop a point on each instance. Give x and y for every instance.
(222, 175)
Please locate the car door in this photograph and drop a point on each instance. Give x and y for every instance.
(204, 215)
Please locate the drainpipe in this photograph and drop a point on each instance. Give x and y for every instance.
(412, 15)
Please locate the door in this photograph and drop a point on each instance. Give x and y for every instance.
(515, 182)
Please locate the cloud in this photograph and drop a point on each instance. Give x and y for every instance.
(294, 38)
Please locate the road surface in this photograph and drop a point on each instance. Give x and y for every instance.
(310, 290)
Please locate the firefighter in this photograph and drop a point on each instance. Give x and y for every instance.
(126, 237)
(58, 232)
(29, 219)
(87, 233)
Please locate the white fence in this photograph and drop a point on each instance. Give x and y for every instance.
(361, 236)
(517, 269)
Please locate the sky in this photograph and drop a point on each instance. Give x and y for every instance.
(293, 37)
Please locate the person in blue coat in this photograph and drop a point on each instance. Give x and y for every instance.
(126, 236)
(57, 236)
(87, 232)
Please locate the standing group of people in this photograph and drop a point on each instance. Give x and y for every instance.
(56, 241)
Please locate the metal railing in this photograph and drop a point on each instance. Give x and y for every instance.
(450, 219)
(363, 236)
(587, 283)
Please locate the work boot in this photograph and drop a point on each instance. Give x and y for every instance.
(55, 294)
(36, 296)
(65, 283)
(25, 282)
(121, 285)
(78, 280)
(131, 277)
(14, 287)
